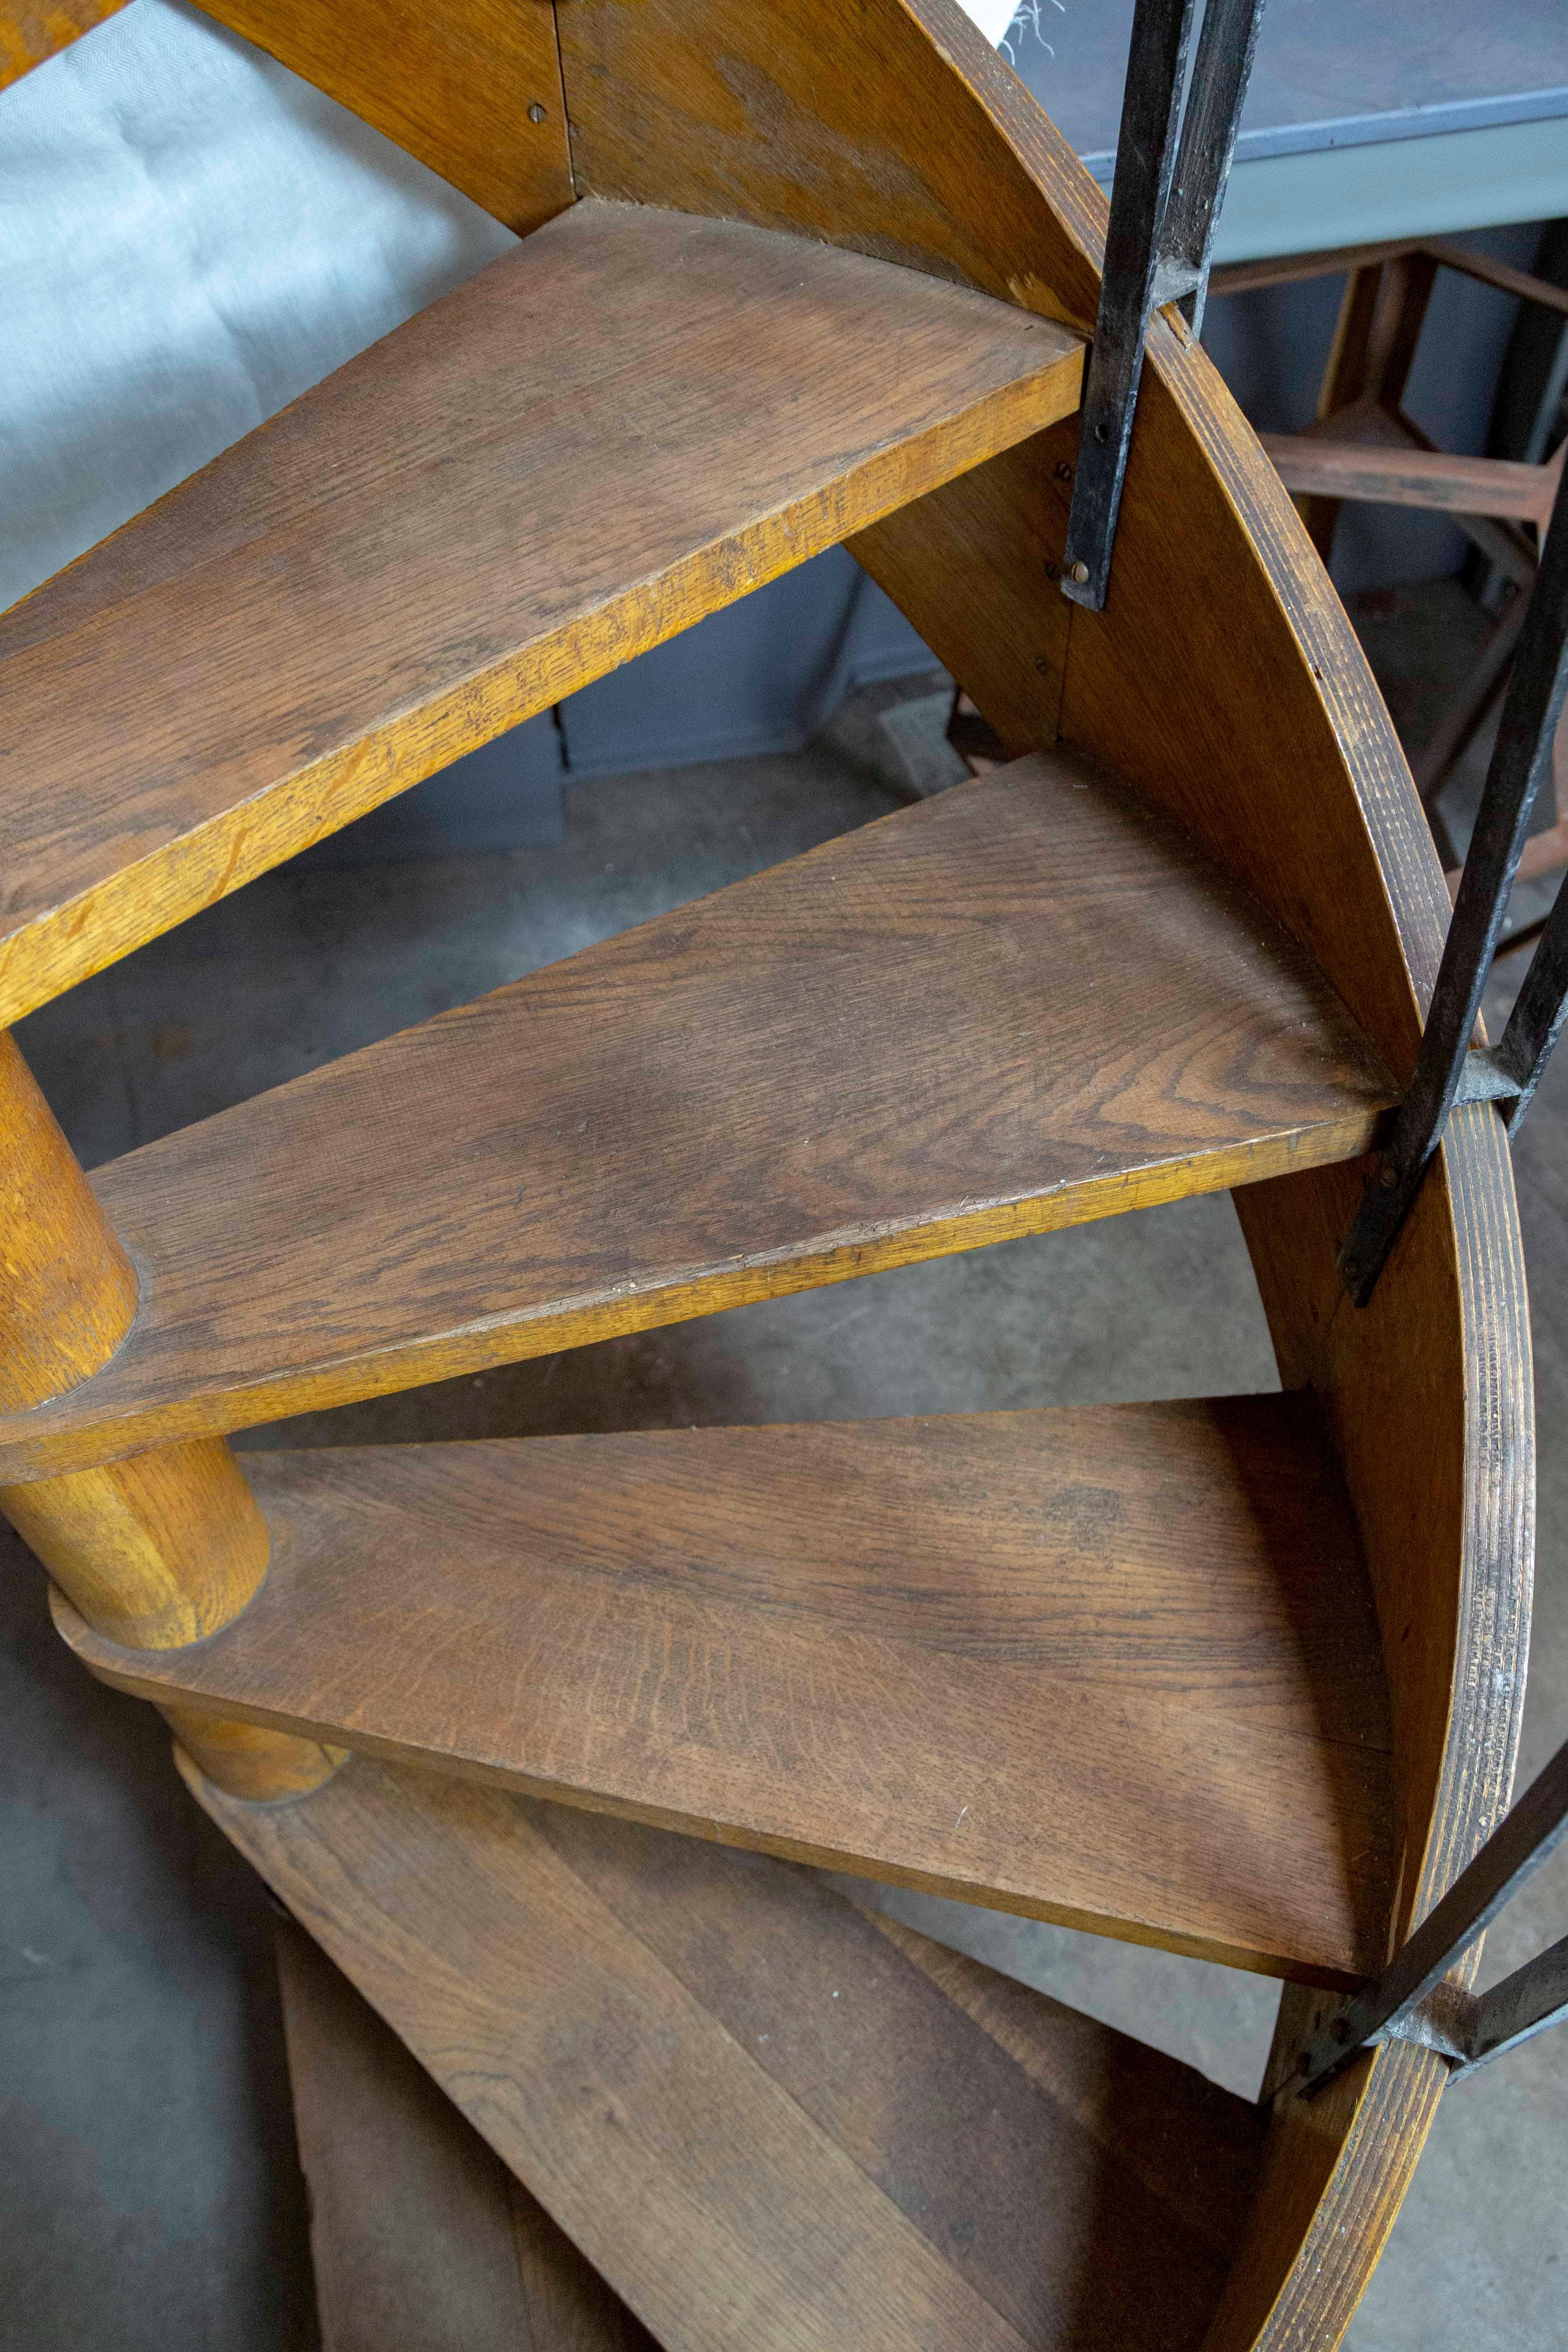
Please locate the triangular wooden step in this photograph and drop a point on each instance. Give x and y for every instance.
(1117, 1665)
(767, 2119)
(421, 2239)
(1026, 1004)
(632, 419)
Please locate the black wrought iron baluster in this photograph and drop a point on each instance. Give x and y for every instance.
(1469, 2031)
(1447, 1070)
(1227, 45)
(1163, 204)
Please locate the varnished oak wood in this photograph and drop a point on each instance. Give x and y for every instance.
(1223, 644)
(1281, 270)
(762, 2120)
(419, 2236)
(161, 1548)
(974, 565)
(827, 121)
(1429, 1393)
(158, 1549)
(1023, 1004)
(821, 120)
(1224, 677)
(1286, 269)
(1115, 1666)
(249, 1760)
(1264, 632)
(67, 1291)
(1413, 477)
(36, 29)
(1500, 274)
(479, 514)
(1224, 681)
(471, 87)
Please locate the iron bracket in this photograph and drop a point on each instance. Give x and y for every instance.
(1413, 2001)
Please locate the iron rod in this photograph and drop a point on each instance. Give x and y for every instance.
(1513, 1851)
(1530, 711)
(1523, 2005)
(1227, 42)
(1145, 160)
(1536, 1021)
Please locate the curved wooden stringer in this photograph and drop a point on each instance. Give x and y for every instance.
(1183, 944)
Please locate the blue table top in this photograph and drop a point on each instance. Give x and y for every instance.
(1330, 73)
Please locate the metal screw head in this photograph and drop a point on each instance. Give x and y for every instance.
(1080, 572)
(1062, 470)
(536, 113)
(1388, 1178)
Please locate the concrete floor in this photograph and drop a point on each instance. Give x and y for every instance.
(149, 2193)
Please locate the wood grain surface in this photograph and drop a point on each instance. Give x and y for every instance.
(155, 1551)
(158, 1549)
(1116, 1667)
(32, 30)
(1242, 276)
(1428, 1397)
(1223, 681)
(1224, 648)
(1428, 1392)
(825, 121)
(1024, 1003)
(67, 1291)
(759, 2116)
(472, 88)
(974, 566)
(1413, 478)
(1361, 396)
(247, 1760)
(420, 2237)
(472, 519)
(1223, 639)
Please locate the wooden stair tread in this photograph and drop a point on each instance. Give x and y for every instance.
(1117, 1665)
(420, 2237)
(765, 2117)
(632, 419)
(1027, 1003)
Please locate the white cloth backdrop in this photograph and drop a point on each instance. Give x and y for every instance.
(190, 237)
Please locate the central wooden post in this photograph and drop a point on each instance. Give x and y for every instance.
(156, 1550)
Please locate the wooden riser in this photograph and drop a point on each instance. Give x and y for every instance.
(632, 420)
(767, 2120)
(1116, 1667)
(1022, 1006)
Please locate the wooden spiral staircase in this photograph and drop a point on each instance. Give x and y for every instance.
(1241, 1677)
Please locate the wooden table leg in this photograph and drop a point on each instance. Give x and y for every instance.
(1379, 325)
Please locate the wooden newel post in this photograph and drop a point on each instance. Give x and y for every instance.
(161, 1549)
